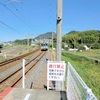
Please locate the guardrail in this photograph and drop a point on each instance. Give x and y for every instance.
(76, 87)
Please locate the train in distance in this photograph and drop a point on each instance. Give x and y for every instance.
(44, 46)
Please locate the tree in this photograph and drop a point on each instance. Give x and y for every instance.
(1, 46)
(76, 38)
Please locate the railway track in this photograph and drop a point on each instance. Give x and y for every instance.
(12, 79)
(18, 58)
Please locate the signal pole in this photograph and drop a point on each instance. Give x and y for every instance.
(59, 35)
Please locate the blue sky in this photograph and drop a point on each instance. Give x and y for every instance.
(22, 17)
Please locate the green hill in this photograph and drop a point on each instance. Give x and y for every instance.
(91, 38)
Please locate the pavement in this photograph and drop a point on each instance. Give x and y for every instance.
(32, 94)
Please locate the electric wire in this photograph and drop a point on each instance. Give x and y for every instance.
(21, 14)
(10, 27)
(50, 14)
(9, 1)
(50, 11)
(14, 14)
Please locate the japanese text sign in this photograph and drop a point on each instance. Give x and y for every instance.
(56, 70)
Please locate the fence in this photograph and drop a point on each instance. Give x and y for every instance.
(76, 87)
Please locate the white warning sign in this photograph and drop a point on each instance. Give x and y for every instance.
(56, 70)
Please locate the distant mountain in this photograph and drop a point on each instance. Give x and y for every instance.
(47, 35)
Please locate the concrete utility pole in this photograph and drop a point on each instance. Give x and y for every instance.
(59, 30)
(59, 36)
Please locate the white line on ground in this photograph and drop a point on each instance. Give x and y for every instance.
(27, 97)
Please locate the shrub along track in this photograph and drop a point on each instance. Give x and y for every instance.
(16, 75)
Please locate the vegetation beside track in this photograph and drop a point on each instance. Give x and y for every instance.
(87, 69)
(13, 51)
(95, 54)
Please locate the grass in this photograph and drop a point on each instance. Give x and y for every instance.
(87, 69)
(91, 53)
(22, 49)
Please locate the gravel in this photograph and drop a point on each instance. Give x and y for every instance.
(37, 77)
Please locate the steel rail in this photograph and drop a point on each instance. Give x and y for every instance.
(36, 59)
(17, 58)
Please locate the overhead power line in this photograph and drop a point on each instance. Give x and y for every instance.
(50, 11)
(21, 14)
(12, 1)
(10, 27)
(14, 14)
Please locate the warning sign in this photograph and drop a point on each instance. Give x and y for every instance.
(56, 70)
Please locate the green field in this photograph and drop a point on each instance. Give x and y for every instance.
(95, 54)
(87, 68)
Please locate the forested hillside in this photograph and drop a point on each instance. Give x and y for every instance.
(22, 42)
(76, 39)
(47, 35)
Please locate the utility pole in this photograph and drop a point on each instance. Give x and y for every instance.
(59, 30)
(59, 35)
(52, 41)
(27, 42)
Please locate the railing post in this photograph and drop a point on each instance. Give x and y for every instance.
(90, 95)
(62, 85)
(47, 84)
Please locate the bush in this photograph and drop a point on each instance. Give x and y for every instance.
(1, 46)
(77, 57)
(81, 48)
(95, 46)
(66, 48)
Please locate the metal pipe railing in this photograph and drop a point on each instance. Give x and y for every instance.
(76, 87)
